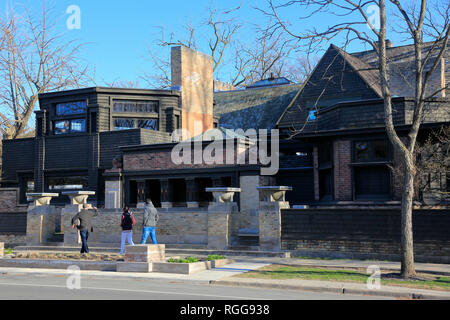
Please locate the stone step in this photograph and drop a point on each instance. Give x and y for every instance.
(246, 251)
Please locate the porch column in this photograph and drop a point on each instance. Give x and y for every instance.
(192, 193)
(219, 215)
(41, 218)
(273, 201)
(166, 194)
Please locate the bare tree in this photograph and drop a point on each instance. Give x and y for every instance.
(249, 62)
(33, 60)
(433, 164)
(267, 56)
(356, 24)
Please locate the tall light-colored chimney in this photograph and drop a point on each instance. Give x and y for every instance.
(192, 72)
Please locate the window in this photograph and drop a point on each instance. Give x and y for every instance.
(127, 124)
(372, 183)
(67, 183)
(136, 106)
(69, 108)
(325, 153)
(70, 126)
(78, 125)
(150, 124)
(375, 150)
(29, 186)
(123, 124)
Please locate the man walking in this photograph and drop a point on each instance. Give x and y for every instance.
(151, 217)
(85, 216)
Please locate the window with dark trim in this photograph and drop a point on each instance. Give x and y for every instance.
(70, 126)
(67, 183)
(129, 106)
(70, 108)
(129, 123)
(371, 150)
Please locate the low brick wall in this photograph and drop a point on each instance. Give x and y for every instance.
(175, 226)
(9, 200)
(13, 240)
(13, 227)
(364, 233)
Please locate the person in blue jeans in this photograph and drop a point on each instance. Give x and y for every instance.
(85, 218)
(151, 218)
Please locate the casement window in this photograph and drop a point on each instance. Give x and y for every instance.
(375, 150)
(130, 106)
(70, 126)
(67, 183)
(70, 108)
(129, 123)
(326, 171)
(371, 174)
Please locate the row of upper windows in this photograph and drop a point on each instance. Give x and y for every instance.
(80, 107)
(68, 126)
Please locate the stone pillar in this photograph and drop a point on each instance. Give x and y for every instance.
(2, 249)
(140, 193)
(166, 194)
(41, 218)
(77, 199)
(219, 216)
(192, 193)
(273, 201)
(113, 189)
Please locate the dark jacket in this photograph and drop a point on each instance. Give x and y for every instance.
(85, 217)
(151, 216)
(124, 225)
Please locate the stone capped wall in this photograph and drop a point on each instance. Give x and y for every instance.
(175, 225)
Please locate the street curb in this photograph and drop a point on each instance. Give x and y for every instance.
(343, 290)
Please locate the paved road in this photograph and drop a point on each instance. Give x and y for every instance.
(44, 287)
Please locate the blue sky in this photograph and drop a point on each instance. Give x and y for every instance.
(117, 33)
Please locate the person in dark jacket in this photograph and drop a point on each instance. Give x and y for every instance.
(127, 228)
(85, 216)
(149, 223)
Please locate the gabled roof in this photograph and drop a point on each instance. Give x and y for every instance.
(258, 108)
(367, 72)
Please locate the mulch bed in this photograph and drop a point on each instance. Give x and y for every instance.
(68, 256)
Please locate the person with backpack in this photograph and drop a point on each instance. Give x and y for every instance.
(85, 224)
(149, 223)
(127, 228)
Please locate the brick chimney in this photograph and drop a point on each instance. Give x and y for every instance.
(192, 72)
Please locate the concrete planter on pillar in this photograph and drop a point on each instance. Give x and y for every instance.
(41, 218)
(219, 215)
(273, 201)
(77, 199)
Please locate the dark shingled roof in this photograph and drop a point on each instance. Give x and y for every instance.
(253, 108)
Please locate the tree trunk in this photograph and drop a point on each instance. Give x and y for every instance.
(407, 246)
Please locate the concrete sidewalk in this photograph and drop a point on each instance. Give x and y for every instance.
(388, 266)
(224, 276)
